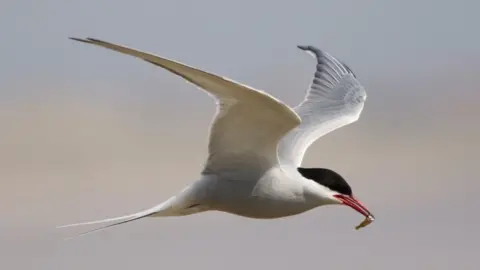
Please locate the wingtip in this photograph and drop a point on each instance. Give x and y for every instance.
(79, 39)
(302, 47)
(310, 48)
(86, 40)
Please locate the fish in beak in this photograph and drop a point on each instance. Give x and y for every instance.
(357, 206)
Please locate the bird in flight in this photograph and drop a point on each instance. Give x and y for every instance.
(257, 143)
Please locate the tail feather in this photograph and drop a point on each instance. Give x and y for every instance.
(107, 226)
(126, 217)
(156, 210)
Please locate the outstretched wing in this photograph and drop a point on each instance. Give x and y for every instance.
(335, 99)
(244, 134)
(248, 124)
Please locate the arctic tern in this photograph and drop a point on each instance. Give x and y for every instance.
(257, 143)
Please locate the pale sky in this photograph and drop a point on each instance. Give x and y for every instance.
(89, 133)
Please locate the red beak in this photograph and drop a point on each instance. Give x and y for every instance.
(355, 204)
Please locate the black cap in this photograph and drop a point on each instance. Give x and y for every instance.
(327, 178)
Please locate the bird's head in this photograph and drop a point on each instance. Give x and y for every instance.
(331, 188)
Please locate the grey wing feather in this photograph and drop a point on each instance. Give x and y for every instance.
(335, 99)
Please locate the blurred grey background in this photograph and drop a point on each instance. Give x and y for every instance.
(88, 133)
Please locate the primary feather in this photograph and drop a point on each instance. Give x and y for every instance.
(335, 99)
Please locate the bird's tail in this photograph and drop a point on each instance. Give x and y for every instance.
(159, 210)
